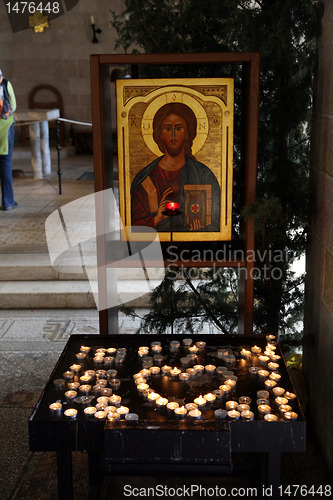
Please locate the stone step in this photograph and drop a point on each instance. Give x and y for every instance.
(30, 281)
(63, 294)
(37, 266)
(46, 294)
(31, 267)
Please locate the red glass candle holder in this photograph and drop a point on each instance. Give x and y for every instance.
(171, 207)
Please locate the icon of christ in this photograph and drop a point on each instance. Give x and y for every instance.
(176, 176)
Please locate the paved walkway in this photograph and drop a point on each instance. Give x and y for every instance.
(23, 230)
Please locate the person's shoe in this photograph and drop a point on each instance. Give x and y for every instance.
(10, 207)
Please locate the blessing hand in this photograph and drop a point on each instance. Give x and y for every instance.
(161, 208)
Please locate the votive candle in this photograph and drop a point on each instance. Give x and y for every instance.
(70, 394)
(123, 410)
(273, 366)
(233, 415)
(71, 413)
(174, 372)
(161, 402)
(85, 388)
(290, 396)
(180, 412)
(210, 398)
(280, 400)
(172, 405)
(76, 368)
(278, 391)
(199, 368)
(90, 410)
(247, 414)
(195, 414)
(80, 356)
(55, 407)
(100, 415)
(263, 360)
(221, 414)
(231, 405)
(290, 415)
(153, 396)
(264, 409)
(200, 401)
(270, 417)
(191, 406)
(244, 400)
(270, 384)
(243, 407)
(115, 399)
(263, 394)
(284, 408)
(225, 388)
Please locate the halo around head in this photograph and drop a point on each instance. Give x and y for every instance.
(166, 98)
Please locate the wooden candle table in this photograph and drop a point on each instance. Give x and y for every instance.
(139, 430)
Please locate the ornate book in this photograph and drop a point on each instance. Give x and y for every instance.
(198, 204)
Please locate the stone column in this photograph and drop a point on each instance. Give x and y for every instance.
(318, 339)
(40, 149)
(36, 156)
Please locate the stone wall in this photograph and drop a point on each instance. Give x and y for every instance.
(318, 348)
(59, 56)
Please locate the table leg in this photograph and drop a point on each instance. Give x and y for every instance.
(95, 475)
(273, 479)
(65, 476)
(94, 468)
(255, 476)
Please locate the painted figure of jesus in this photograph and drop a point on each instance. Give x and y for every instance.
(164, 180)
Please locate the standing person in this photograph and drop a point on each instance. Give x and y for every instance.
(7, 134)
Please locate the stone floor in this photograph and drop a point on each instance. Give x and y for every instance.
(30, 344)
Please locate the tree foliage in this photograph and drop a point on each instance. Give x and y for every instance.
(284, 32)
(218, 291)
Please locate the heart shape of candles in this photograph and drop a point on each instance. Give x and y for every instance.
(144, 379)
(202, 401)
